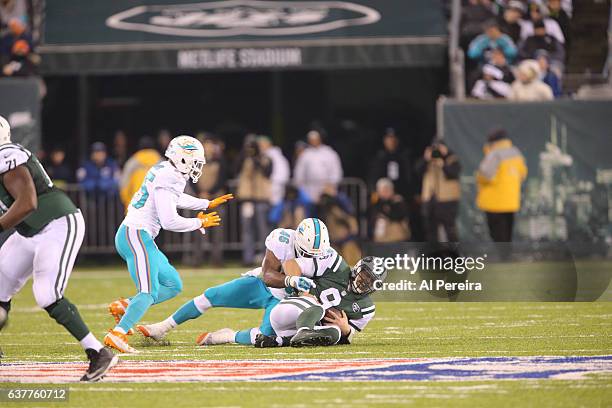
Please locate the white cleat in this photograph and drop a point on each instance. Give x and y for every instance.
(155, 331)
(222, 336)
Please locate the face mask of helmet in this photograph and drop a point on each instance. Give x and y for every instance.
(362, 279)
(196, 170)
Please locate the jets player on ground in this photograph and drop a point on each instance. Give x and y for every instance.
(152, 208)
(309, 239)
(49, 232)
(302, 320)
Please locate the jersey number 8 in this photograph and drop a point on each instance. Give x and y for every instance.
(330, 297)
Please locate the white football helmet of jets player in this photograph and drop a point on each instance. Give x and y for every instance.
(311, 238)
(187, 155)
(5, 131)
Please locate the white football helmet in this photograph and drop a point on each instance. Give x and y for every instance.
(187, 155)
(311, 238)
(5, 131)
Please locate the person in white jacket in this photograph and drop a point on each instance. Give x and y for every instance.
(152, 208)
(281, 171)
(317, 167)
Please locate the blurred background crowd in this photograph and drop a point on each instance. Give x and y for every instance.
(360, 150)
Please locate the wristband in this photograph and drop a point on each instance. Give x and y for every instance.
(288, 281)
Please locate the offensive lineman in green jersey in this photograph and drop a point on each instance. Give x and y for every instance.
(49, 232)
(302, 320)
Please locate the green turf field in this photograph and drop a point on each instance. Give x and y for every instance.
(399, 330)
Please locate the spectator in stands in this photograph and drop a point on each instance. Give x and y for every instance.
(548, 76)
(535, 15)
(254, 194)
(57, 169)
(20, 63)
(337, 212)
(557, 13)
(509, 23)
(100, 174)
(491, 39)
(389, 214)
(295, 206)
(318, 166)
(212, 183)
(17, 31)
(528, 86)
(499, 177)
(299, 148)
(163, 140)
(473, 15)
(281, 172)
(13, 9)
(498, 60)
(392, 163)
(136, 168)
(120, 147)
(542, 41)
(491, 85)
(440, 191)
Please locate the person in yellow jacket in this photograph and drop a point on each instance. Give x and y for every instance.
(499, 177)
(136, 168)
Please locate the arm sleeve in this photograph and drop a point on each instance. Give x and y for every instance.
(307, 266)
(488, 167)
(187, 202)
(166, 202)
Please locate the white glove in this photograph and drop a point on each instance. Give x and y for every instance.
(300, 283)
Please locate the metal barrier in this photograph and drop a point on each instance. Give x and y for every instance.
(103, 214)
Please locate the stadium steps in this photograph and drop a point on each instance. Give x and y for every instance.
(589, 48)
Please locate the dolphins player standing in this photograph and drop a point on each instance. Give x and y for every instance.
(152, 208)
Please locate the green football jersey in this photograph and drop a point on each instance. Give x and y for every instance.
(332, 290)
(52, 202)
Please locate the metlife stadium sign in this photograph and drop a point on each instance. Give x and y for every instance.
(178, 35)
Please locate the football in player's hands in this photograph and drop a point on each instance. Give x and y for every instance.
(332, 313)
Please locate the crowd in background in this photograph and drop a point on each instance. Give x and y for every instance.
(409, 199)
(516, 49)
(17, 56)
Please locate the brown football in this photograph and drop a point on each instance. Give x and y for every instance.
(333, 312)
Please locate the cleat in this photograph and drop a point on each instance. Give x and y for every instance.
(118, 341)
(222, 336)
(263, 341)
(310, 338)
(117, 308)
(100, 362)
(153, 331)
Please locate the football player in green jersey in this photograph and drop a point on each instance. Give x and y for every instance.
(49, 232)
(333, 310)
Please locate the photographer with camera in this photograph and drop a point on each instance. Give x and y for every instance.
(254, 189)
(440, 191)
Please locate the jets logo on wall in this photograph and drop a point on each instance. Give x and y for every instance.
(244, 17)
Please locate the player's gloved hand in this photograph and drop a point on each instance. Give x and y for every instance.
(220, 200)
(300, 283)
(209, 220)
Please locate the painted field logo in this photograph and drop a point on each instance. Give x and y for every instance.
(378, 369)
(243, 17)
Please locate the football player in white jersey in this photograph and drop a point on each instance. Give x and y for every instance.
(49, 230)
(152, 208)
(252, 291)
